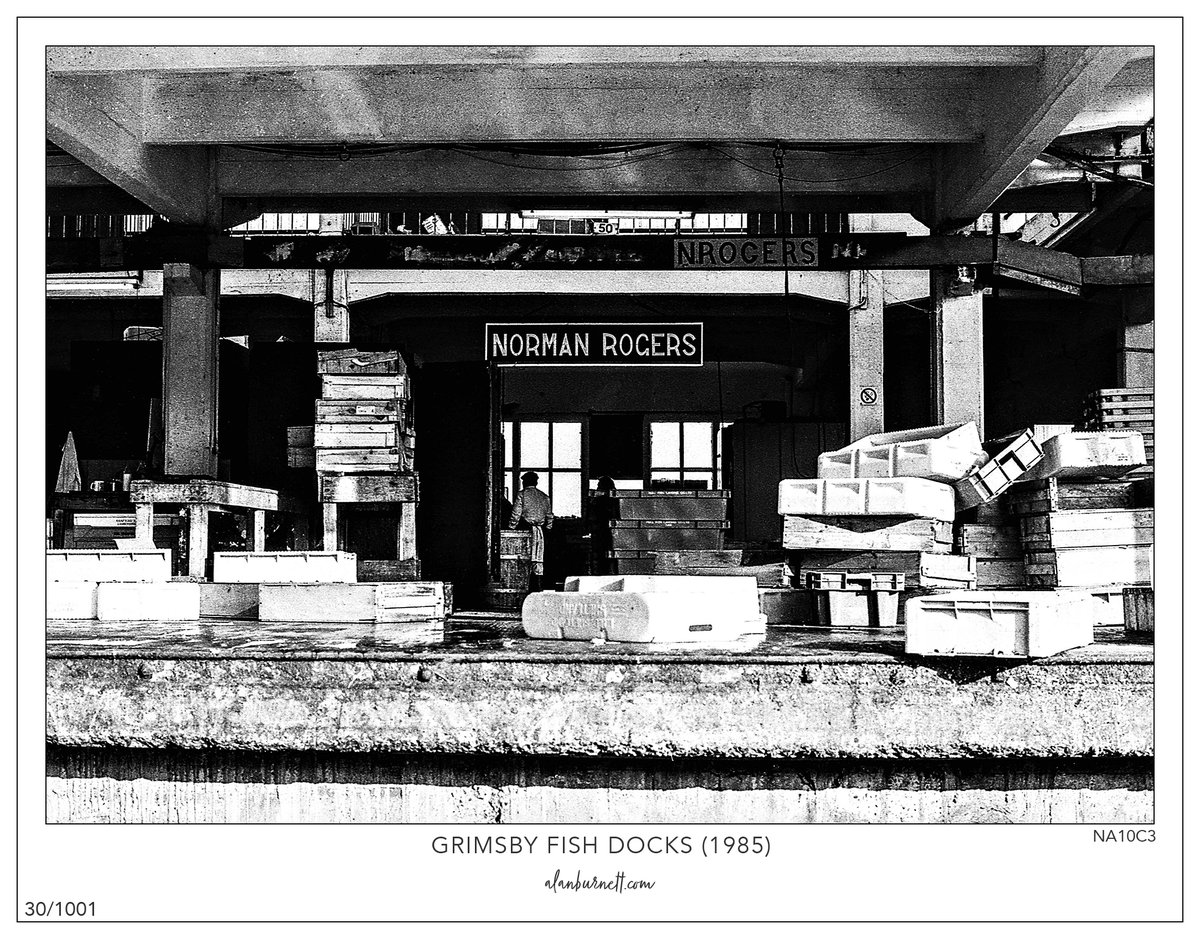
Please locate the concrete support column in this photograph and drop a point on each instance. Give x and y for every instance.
(331, 308)
(1136, 368)
(190, 339)
(955, 349)
(865, 304)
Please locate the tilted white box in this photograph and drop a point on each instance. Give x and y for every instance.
(945, 453)
(1083, 454)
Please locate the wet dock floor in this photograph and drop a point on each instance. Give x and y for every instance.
(470, 635)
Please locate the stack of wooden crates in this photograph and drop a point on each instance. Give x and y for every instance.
(651, 522)
(1122, 409)
(363, 445)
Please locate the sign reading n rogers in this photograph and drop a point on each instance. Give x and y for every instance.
(567, 344)
(742, 253)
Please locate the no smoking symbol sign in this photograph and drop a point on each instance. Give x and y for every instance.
(868, 396)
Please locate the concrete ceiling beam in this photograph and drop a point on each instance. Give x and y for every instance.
(568, 103)
(98, 120)
(742, 176)
(175, 59)
(1024, 115)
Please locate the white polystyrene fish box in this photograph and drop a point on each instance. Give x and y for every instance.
(70, 599)
(908, 496)
(1083, 454)
(999, 623)
(171, 600)
(106, 564)
(945, 453)
(285, 567)
(647, 608)
(382, 602)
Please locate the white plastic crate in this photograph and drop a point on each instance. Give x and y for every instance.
(984, 484)
(283, 567)
(143, 564)
(904, 496)
(667, 616)
(876, 609)
(1090, 454)
(392, 601)
(1000, 623)
(66, 599)
(178, 600)
(945, 453)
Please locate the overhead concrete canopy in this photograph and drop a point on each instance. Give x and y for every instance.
(211, 136)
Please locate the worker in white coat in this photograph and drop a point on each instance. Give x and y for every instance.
(532, 506)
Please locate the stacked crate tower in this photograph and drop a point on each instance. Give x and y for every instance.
(364, 442)
(878, 523)
(690, 523)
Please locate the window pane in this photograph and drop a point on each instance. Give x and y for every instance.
(506, 429)
(664, 444)
(568, 452)
(697, 444)
(706, 478)
(508, 487)
(619, 483)
(565, 494)
(659, 475)
(535, 444)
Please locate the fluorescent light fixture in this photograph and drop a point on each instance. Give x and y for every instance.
(96, 281)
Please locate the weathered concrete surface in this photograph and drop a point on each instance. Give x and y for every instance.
(1055, 708)
(212, 786)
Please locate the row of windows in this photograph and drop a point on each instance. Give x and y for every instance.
(683, 454)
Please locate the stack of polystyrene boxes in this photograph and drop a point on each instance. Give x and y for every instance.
(879, 520)
(117, 585)
(363, 447)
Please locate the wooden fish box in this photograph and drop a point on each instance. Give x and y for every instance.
(388, 571)
(662, 535)
(300, 435)
(919, 568)
(689, 505)
(999, 572)
(998, 542)
(335, 435)
(1089, 567)
(351, 603)
(1139, 612)
(1055, 495)
(1087, 528)
(301, 457)
(866, 533)
(364, 460)
(356, 411)
(364, 387)
(369, 488)
(355, 362)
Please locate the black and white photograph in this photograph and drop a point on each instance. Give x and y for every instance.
(533, 446)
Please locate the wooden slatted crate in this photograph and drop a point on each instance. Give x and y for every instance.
(356, 362)
(1054, 495)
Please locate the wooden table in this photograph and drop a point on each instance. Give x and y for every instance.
(202, 496)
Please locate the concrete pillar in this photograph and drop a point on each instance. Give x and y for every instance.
(190, 338)
(865, 305)
(331, 308)
(955, 349)
(198, 539)
(1136, 368)
(258, 530)
(329, 516)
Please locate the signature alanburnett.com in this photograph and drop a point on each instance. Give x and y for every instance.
(619, 883)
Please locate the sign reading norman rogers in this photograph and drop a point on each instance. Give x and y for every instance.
(595, 343)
